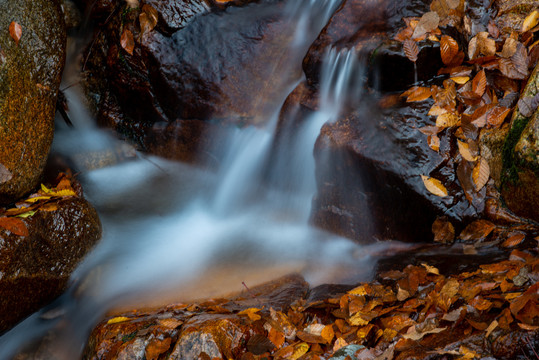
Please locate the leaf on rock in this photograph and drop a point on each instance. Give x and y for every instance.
(497, 115)
(251, 313)
(148, 19)
(127, 41)
(411, 50)
(428, 22)
(117, 319)
(513, 240)
(528, 104)
(481, 174)
(465, 152)
(5, 174)
(477, 231)
(14, 225)
(15, 30)
(479, 83)
(434, 186)
(417, 93)
(531, 21)
(434, 142)
(443, 231)
(156, 347)
(481, 44)
(447, 120)
(449, 48)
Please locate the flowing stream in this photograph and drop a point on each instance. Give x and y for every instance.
(175, 232)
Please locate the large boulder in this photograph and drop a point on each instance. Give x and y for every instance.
(38, 257)
(30, 71)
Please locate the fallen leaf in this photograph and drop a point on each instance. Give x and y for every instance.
(443, 231)
(15, 30)
(299, 350)
(515, 67)
(465, 152)
(477, 230)
(327, 333)
(415, 335)
(530, 21)
(513, 240)
(417, 93)
(431, 269)
(117, 319)
(14, 225)
(434, 186)
(449, 48)
(461, 80)
(127, 41)
(276, 337)
(509, 47)
(26, 214)
(339, 343)
(428, 22)
(481, 44)
(497, 115)
(156, 347)
(251, 313)
(479, 83)
(528, 104)
(411, 50)
(148, 19)
(493, 325)
(447, 120)
(481, 174)
(5, 174)
(434, 142)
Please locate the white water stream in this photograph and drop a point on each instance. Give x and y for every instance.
(175, 232)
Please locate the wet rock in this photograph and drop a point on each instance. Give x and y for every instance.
(29, 79)
(34, 269)
(520, 157)
(369, 168)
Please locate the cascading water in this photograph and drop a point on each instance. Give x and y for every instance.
(176, 232)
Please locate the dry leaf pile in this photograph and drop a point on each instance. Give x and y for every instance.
(45, 199)
(483, 80)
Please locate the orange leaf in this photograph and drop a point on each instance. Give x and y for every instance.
(148, 19)
(417, 93)
(327, 333)
(478, 230)
(481, 174)
(443, 231)
(411, 50)
(276, 337)
(251, 313)
(14, 225)
(127, 42)
(448, 49)
(156, 347)
(479, 83)
(434, 186)
(15, 30)
(497, 115)
(513, 240)
(434, 142)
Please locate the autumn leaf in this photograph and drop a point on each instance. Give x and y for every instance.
(479, 83)
(447, 120)
(299, 350)
(449, 48)
(481, 174)
(276, 337)
(443, 231)
(127, 42)
(417, 93)
(531, 21)
(434, 142)
(477, 230)
(513, 240)
(509, 48)
(14, 225)
(15, 30)
(117, 319)
(528, 104)
(428, 22)
(327, 333)
(156, 347)
(481, 44)
(251, 313)
(465, 152)
(497, 115)
(148, 19)
(515, 67)
(434, 186)
(411, 50)
(5, 174)
(415, 335)
(461, 80)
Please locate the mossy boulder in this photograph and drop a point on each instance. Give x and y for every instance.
(520, 175)
(30, 73)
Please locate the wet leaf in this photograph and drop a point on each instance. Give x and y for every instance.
(5, 174)
(299, 350)
(417, 93)
(449, 48)
(276, 337)
(528, 104)
(428, 22)
(513, 240)
(477, 230)
(415, 335)
(431, 269)
(434, 186)
(251, 313)
(509, 48)
(531, 21)
(411, 50)
(515, 67)
(481, 174)
(481, 44)
(26, 214)
(443, 231)
(465, 152)
(127, 41)
(148, 19)
(447, 120)
(15, 30)
(327, 333)
(479, 83)
(434, 142)
(461, 80)
(156, 347)
(497, 115)
(14, 225)
(339, 343)
(117, 319)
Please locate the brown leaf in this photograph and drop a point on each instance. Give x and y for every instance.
(449, 48)
(465, 152)
(509, 47)
(156, 347)
(434, 142)
(528, 104)
(411, 50)
(14, 225)
(481, 45)
(434, 186)
(447, 120)
(417, 93)
(497, 115)
(515, 67)
(5, 174)
(479, 83)
(148, 19)
(443, 231)
(15, 30)
(127, 41)
(276, 337)
(428, 22)
(513, 240)
(481, 174)
(477, 231)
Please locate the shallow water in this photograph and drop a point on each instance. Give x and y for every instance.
(174, 232)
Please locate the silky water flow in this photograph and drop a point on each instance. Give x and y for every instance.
(174, 232)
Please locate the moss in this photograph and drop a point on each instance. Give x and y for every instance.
(510, 165)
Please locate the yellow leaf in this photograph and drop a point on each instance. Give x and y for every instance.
(531, 21)
(464, 150)
(327, 333)
(431, 269)
(299, 350)
(45, 189)
(447, 120)
(461, 80)
(434, 142)
(480, 174)
(37, 198)
(26, 214)
(358, 320)
(493, 325)
(436, 110)
(360, 290)
(434, 186)
(251, 313)
(118, 319)
(65, 192)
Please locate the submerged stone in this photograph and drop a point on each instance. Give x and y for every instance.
(30, 72)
